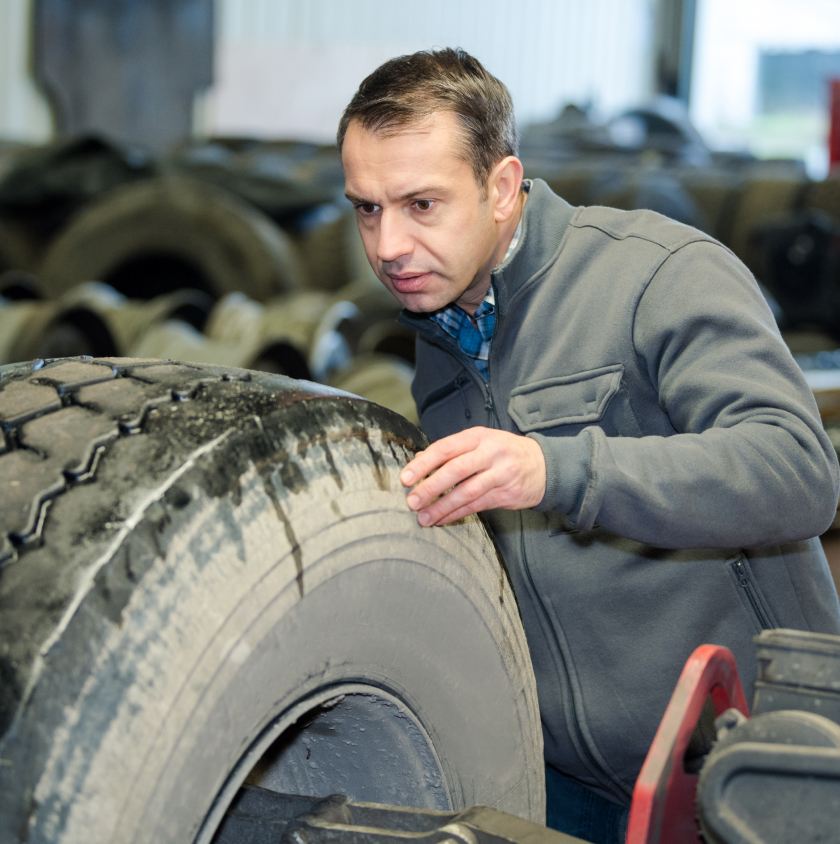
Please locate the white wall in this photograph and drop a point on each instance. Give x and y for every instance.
(288, 68)
(24, 114)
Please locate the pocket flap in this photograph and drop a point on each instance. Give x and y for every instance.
(567, 400)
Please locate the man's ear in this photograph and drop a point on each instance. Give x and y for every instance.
(504, 186)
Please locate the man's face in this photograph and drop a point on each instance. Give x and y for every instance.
(428, 230)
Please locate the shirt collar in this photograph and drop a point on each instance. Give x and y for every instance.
(490, 298)
(514, 242)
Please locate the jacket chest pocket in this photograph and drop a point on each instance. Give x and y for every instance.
(567, 404)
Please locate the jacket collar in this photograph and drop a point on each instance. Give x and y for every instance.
(545, 219)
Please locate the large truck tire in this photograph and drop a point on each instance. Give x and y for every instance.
(157, 235)
(210, 577)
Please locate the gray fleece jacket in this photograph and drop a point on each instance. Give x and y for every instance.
(687, 468)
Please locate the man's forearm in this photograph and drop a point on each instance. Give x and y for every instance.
(753, 484)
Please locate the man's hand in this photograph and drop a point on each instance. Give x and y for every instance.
(487, 468)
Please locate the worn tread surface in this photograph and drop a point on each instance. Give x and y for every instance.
(80, 438)
(54, 428)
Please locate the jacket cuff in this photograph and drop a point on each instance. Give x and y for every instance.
(567, 462)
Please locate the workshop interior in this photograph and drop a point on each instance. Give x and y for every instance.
(219, 621)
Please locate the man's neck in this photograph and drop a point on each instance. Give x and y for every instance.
(473, 297)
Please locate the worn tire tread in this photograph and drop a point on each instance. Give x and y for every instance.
(60, 420)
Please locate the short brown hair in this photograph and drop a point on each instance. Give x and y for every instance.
(409, 89)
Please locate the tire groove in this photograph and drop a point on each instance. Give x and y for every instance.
(21, 542)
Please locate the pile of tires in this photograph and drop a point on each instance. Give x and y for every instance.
(782, 225)
(230, 252)
(347, 339)
(150, 225)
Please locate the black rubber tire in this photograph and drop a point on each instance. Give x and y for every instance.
(324, 252)
(572, 185)
(126, 236)
(23, 325)
(655, 191)
(824, 196)
(192, 554)
(759, 201)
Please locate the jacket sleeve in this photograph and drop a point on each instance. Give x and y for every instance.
(750, 464)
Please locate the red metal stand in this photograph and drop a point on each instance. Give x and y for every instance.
(663, 808)
(834, 125)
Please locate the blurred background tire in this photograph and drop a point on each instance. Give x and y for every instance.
(158, 235)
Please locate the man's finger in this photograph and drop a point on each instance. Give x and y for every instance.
(474, 488)
(484, 503)
(451, 474)
(436, 455)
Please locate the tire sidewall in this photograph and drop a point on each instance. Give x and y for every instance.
(299, 576)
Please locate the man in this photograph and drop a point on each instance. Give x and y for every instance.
(611, 390)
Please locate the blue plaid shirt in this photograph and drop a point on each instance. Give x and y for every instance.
(474, 340)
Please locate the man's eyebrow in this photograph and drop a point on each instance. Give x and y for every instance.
(432, 190)
(425, 191)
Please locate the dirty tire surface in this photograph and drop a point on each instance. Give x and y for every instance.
(188, 551)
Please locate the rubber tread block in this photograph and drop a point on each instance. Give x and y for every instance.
(26, 480)
(75, 374)
(165, 371)
(21, 400)
(72, 434)
(125, 400)
(172, 374)
(134, 363)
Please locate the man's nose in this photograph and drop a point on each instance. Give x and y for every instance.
(394, 236)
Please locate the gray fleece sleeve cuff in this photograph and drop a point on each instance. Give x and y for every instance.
(567, 462)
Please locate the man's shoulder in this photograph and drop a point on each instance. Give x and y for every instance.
(638, 225)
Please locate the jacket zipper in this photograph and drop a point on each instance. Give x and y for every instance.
(489, 406)
(488, 395)
(746, 584)
(572, 718)
(460, 382)
(488, 403)
(575, 722)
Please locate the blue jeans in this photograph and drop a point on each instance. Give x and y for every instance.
(574, 809)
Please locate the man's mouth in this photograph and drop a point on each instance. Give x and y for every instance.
(409, 282)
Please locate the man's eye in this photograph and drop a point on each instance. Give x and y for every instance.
(424, 204)
(367, 208)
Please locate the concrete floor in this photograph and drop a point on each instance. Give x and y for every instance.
(831, 546)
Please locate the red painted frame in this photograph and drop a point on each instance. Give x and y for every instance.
(663, 808)
(834, 124)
